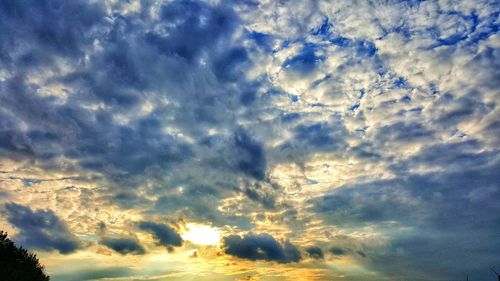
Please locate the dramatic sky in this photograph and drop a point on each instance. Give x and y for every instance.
(252, 140)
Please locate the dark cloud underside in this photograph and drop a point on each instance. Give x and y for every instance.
(261, 247)
(41, 229)
(123, 246)
(165, 235)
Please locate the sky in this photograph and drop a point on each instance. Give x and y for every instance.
(252, 139)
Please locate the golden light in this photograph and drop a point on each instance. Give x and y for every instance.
(200, 234)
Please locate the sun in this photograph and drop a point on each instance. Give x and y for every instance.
(201, 234)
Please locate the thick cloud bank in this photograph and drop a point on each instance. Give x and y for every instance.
(41, 229)
(261, 247)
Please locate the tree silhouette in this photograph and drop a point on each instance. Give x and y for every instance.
(17, 264)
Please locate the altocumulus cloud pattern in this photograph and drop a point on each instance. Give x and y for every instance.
(252, 140)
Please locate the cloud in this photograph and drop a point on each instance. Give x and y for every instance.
(258, 194)
(305, 61)
(337, 251)
(93, 273)
(371, 121)
(123, 246)
(41, 229)
(402, 132)
(455, 156)
(165, 235)
(315, 252)
(261, 247)
(250, 154)
(200, 202)
(132, 65)
(320, 136)
(197, 26)
(444, 209)
(49, 29)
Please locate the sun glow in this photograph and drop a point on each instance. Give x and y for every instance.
(201, 234)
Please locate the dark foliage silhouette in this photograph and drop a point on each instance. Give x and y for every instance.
(17, 264)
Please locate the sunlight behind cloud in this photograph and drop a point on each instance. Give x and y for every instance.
(200, 234)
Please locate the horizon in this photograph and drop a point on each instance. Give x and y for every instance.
(252, 139)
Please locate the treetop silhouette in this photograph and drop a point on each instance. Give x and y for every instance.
(17, 264)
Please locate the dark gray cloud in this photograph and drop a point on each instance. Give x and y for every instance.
(448, 211)
(433, 254)
(179, 56)
(463, 108)
(90, 137)
(197, 26)
(365, 205)
(314, 137)
(251, 159)
(405, 132)
(128, 199)
(321, 136)
(123, 246)
(256, 193)
(337, 251)
(315, 252)
(35, 32)
(140, 57)
(261, 247)
(41, 229)
(449, 156)
(386, 200)
(200, 203)
(166, 235)
(102, 228)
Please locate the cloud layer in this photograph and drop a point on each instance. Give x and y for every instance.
(331, 139)
(261, 247)
(41, 229)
